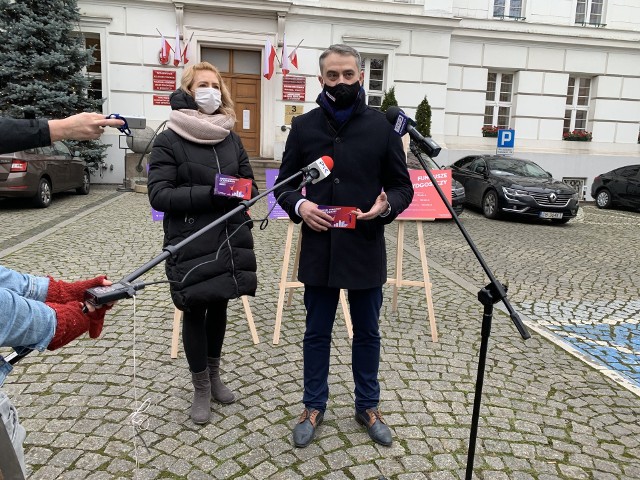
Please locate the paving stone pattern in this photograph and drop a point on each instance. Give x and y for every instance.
(545, 413)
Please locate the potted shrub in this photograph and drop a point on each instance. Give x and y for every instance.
(423, 117)
(389, 99)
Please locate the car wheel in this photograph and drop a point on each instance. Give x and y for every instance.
(43, 197)
(560, 221)
(490, 204)
(86, 184)
(603, 198)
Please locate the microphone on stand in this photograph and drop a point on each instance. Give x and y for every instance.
(126, 288)
(403, 124)
(318, 170)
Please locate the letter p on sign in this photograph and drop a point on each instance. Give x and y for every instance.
(506, 138)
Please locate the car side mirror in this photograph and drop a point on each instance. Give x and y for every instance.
(76, 153)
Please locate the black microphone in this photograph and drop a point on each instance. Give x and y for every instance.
(403, 124)
(318, 170)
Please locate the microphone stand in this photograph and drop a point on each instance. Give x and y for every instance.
(493, 293)
(125, 289)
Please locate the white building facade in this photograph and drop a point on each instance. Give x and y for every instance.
(540, 67)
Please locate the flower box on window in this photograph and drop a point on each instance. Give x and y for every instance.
(490, 131)
(577, 136)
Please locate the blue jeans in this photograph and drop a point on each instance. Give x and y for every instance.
(364, 306)
(25, 322)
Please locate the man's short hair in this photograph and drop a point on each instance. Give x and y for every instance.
(341, 49)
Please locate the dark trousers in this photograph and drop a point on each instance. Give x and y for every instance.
(203, 331)
(321, 304)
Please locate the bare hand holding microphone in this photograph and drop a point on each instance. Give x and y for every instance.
(82, 126)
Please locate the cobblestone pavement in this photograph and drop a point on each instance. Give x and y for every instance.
(546, 414)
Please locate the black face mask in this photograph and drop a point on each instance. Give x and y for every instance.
(342, 95)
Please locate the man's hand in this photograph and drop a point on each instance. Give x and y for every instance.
(316, 219)
(83, 126)
(380, 206)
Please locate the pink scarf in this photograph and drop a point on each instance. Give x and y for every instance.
(198, 127)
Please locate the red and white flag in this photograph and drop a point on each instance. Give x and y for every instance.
(267, 61)
(285, 58)
(165, 48)
(293, 56)
(177, 49)
(185, 53)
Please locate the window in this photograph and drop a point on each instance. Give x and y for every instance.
(628, 171)
(575, 114)
(94, 72)
(497, 110)
(478, 166)
(61, 149)
(374, 80)
(589, 12)
(464, 162)
(233, 61)
(507, 8)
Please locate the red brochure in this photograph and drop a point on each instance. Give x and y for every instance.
(229, 186)
(343, 217)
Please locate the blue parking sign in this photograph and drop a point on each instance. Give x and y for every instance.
(506, 138)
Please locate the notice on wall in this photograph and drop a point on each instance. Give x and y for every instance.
(161, 100)
(164, 80)
(294, 87)
(291, 111)
(246, 119)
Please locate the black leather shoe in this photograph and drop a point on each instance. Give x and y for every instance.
(376, 427)
(305, 430)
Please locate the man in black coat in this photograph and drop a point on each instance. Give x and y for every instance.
(370, 175)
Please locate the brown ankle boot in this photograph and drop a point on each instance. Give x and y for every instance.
(219, 391)
(201, 408)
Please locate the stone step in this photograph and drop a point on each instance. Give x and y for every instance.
(259, 165)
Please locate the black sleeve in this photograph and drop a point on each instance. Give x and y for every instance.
(165, 194)
(19, 134)
(287, 195)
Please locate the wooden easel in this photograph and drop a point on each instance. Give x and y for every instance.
(294, 283)
(177, 318)
(398, 281)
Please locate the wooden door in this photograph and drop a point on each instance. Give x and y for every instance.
(241, 72)
(245, 92)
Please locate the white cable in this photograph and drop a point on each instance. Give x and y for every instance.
(139, 418)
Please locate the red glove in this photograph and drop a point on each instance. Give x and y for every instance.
(71, 323)
(96, 321)
(64, 292)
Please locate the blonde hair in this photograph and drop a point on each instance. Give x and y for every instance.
(188, 76)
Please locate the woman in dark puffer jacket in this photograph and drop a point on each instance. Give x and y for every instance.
(185, 159)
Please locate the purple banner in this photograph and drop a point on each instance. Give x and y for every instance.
(271, 176)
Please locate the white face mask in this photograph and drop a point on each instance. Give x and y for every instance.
(208, 99)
